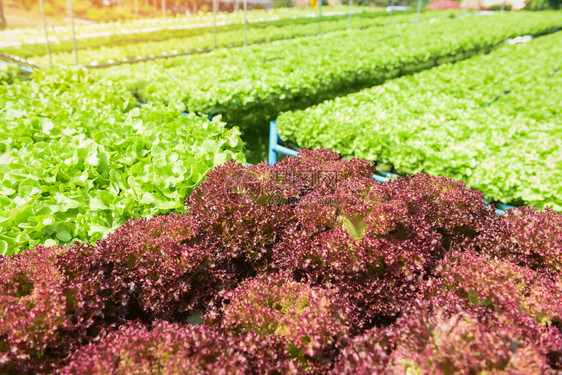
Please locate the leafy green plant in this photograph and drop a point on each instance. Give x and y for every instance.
(492, 121)
(76, 167)
(8, 73)
(542, 4)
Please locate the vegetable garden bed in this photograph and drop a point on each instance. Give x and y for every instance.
(252, 85)
(31, 42)
(78, 167)
(309, 266)
(140, 50)
(492, 121)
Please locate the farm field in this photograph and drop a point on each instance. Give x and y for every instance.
(251, 88)
(158, 27)
(170, 47)
(146, 229)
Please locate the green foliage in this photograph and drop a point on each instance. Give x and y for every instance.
(8, 73)
(77, 159)
(253, 85)
(227, 38)
(492, 121)
(29, 42)
(543, 4)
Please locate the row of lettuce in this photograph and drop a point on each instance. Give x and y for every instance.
(306, 267)
(493, 121)
(77, 158)
(251, 86)
(173, 46)
(29, 43)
